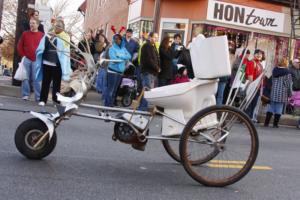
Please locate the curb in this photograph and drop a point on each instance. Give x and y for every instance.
(13, 91)
(95, 98)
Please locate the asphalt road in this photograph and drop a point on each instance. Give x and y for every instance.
(87, 164)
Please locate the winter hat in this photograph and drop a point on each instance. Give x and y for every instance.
(181, 70)
(129, 30)
(257, 51)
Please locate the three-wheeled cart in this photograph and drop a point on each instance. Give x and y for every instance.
(217, 145)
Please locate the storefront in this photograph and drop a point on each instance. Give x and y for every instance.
(246, 27)
(265, 26)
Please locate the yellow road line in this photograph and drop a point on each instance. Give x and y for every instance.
(228, 161)
(232, 166)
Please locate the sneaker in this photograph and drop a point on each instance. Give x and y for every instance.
(25, 98)
(41, 103)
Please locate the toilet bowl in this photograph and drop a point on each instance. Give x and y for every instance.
(182, 101)
(210, 59)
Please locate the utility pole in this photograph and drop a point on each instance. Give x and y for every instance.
(156, 15)
(21, 17)
(1, 11)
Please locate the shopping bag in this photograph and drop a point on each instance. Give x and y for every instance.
(21, 73)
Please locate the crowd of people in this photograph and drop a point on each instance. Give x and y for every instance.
(47, 59)
(275, 91)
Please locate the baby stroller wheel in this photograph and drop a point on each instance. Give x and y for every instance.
(126, 100)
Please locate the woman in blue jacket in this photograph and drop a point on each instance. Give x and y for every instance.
(115, 69)
(52, 63)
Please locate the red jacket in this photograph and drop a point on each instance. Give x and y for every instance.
(28, 44)
(254, 69)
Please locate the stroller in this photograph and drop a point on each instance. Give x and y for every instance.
(128, 89)
(293, 102)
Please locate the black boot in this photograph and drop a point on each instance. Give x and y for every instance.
(276, 120)
(268, 118)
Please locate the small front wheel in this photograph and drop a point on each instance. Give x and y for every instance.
(224, 141)
(27, 135)
(126, 100)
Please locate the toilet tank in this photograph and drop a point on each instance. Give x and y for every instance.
(210, 57)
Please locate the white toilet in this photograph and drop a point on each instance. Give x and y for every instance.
(210, 58)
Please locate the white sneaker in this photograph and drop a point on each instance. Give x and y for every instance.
(25, 98)
(41, 103)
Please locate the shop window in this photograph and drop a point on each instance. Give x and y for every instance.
(297, 49)
(237, 39)
(173, 25)
(136, 27)
(146, 26)
(141, 28)
(197, 29)
(275, 47)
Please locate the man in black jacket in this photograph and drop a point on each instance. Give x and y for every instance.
(177, 49)
(150, 65)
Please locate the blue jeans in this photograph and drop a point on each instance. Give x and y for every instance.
(110, 91)
(30, 69)
(252, 105)
(220, 93)
(149, 81)
(276, 107)
(163, 82)
(101, 80)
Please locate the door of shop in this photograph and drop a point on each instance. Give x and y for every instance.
(171, 34)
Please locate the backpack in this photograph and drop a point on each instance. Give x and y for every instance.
(99, 46)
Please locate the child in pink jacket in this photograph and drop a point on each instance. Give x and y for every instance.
(181, 76)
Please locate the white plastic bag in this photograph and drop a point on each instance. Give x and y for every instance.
(21, 73)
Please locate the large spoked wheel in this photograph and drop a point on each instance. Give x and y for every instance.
(218, 146)
(27, 135)
(172, 148)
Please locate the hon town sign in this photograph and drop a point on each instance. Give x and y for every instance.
(245, 16)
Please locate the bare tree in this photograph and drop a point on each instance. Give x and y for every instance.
(8, 29)
(72, 21)
(60, 7)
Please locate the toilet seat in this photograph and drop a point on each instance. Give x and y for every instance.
(175, 89)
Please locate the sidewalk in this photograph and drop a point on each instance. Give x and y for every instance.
(6, 89)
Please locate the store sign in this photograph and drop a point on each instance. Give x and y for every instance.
(245, 16)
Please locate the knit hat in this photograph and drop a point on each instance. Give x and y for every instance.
(257, 51)
(181, 70)
(129, 30)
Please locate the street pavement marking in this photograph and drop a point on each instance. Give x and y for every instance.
(228, 161)
(232, 164)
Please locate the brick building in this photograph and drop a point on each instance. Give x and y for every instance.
(254, 23)
(105, 13)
